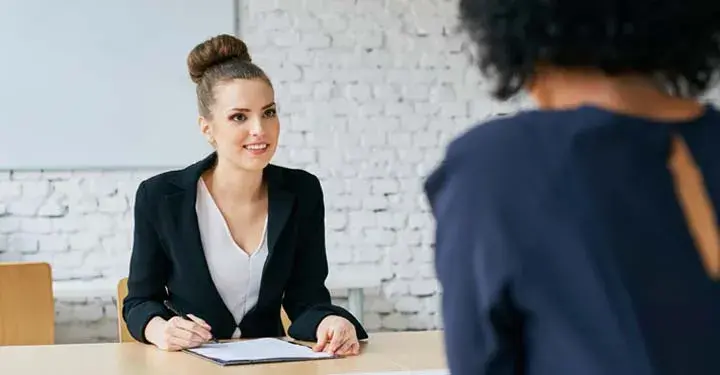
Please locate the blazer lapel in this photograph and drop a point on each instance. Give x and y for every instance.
(187, 230)
(280, 203)
(180, 209)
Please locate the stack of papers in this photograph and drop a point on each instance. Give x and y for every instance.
(263, 350)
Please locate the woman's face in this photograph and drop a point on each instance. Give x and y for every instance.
(244, 126)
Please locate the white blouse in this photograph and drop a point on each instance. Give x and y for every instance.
(235, 273)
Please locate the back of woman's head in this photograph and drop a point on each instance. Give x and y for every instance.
(675, 41)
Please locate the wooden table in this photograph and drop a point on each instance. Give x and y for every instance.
(383, 352)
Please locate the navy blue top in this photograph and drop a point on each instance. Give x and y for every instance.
(562, 248)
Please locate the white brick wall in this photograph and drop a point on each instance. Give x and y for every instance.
(369, 93)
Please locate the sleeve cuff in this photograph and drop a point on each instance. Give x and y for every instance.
(305, 327)
(140, 316)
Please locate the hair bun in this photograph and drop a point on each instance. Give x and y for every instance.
(215, 51)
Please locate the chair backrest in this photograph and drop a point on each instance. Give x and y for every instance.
(27, 305)
(124, 334)
(285, 320)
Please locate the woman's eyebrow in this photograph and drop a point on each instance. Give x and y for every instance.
(248, 110)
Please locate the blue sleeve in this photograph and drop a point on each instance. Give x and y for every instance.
(483, 330)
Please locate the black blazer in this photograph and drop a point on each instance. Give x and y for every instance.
(167, 253)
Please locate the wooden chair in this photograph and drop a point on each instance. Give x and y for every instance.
(27, 306)
(285, 320)
(124, 334)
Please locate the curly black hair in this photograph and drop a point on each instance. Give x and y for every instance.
(675, 41)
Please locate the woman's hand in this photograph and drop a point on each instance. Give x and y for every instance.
(177, 333)
(336, 335)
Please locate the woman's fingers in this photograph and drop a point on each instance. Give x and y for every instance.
(187, 330)
(178, 333)
(321, 342)
(336, 335)
(339, 338)
(180, 343)
(346, 348)
(200, 321)
(355, 348)
(193, 327)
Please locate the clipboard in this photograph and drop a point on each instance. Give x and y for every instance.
(256, 351)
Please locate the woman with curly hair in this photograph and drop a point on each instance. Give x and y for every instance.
(581, 237)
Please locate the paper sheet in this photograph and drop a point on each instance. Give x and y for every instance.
(258, 349)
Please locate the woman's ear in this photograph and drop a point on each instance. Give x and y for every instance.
(206, 130)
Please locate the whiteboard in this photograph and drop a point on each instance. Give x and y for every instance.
(102, 84)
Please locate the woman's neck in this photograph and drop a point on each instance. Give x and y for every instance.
(632, 95)
(240, 185)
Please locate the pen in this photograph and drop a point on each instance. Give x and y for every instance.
(184, 316)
